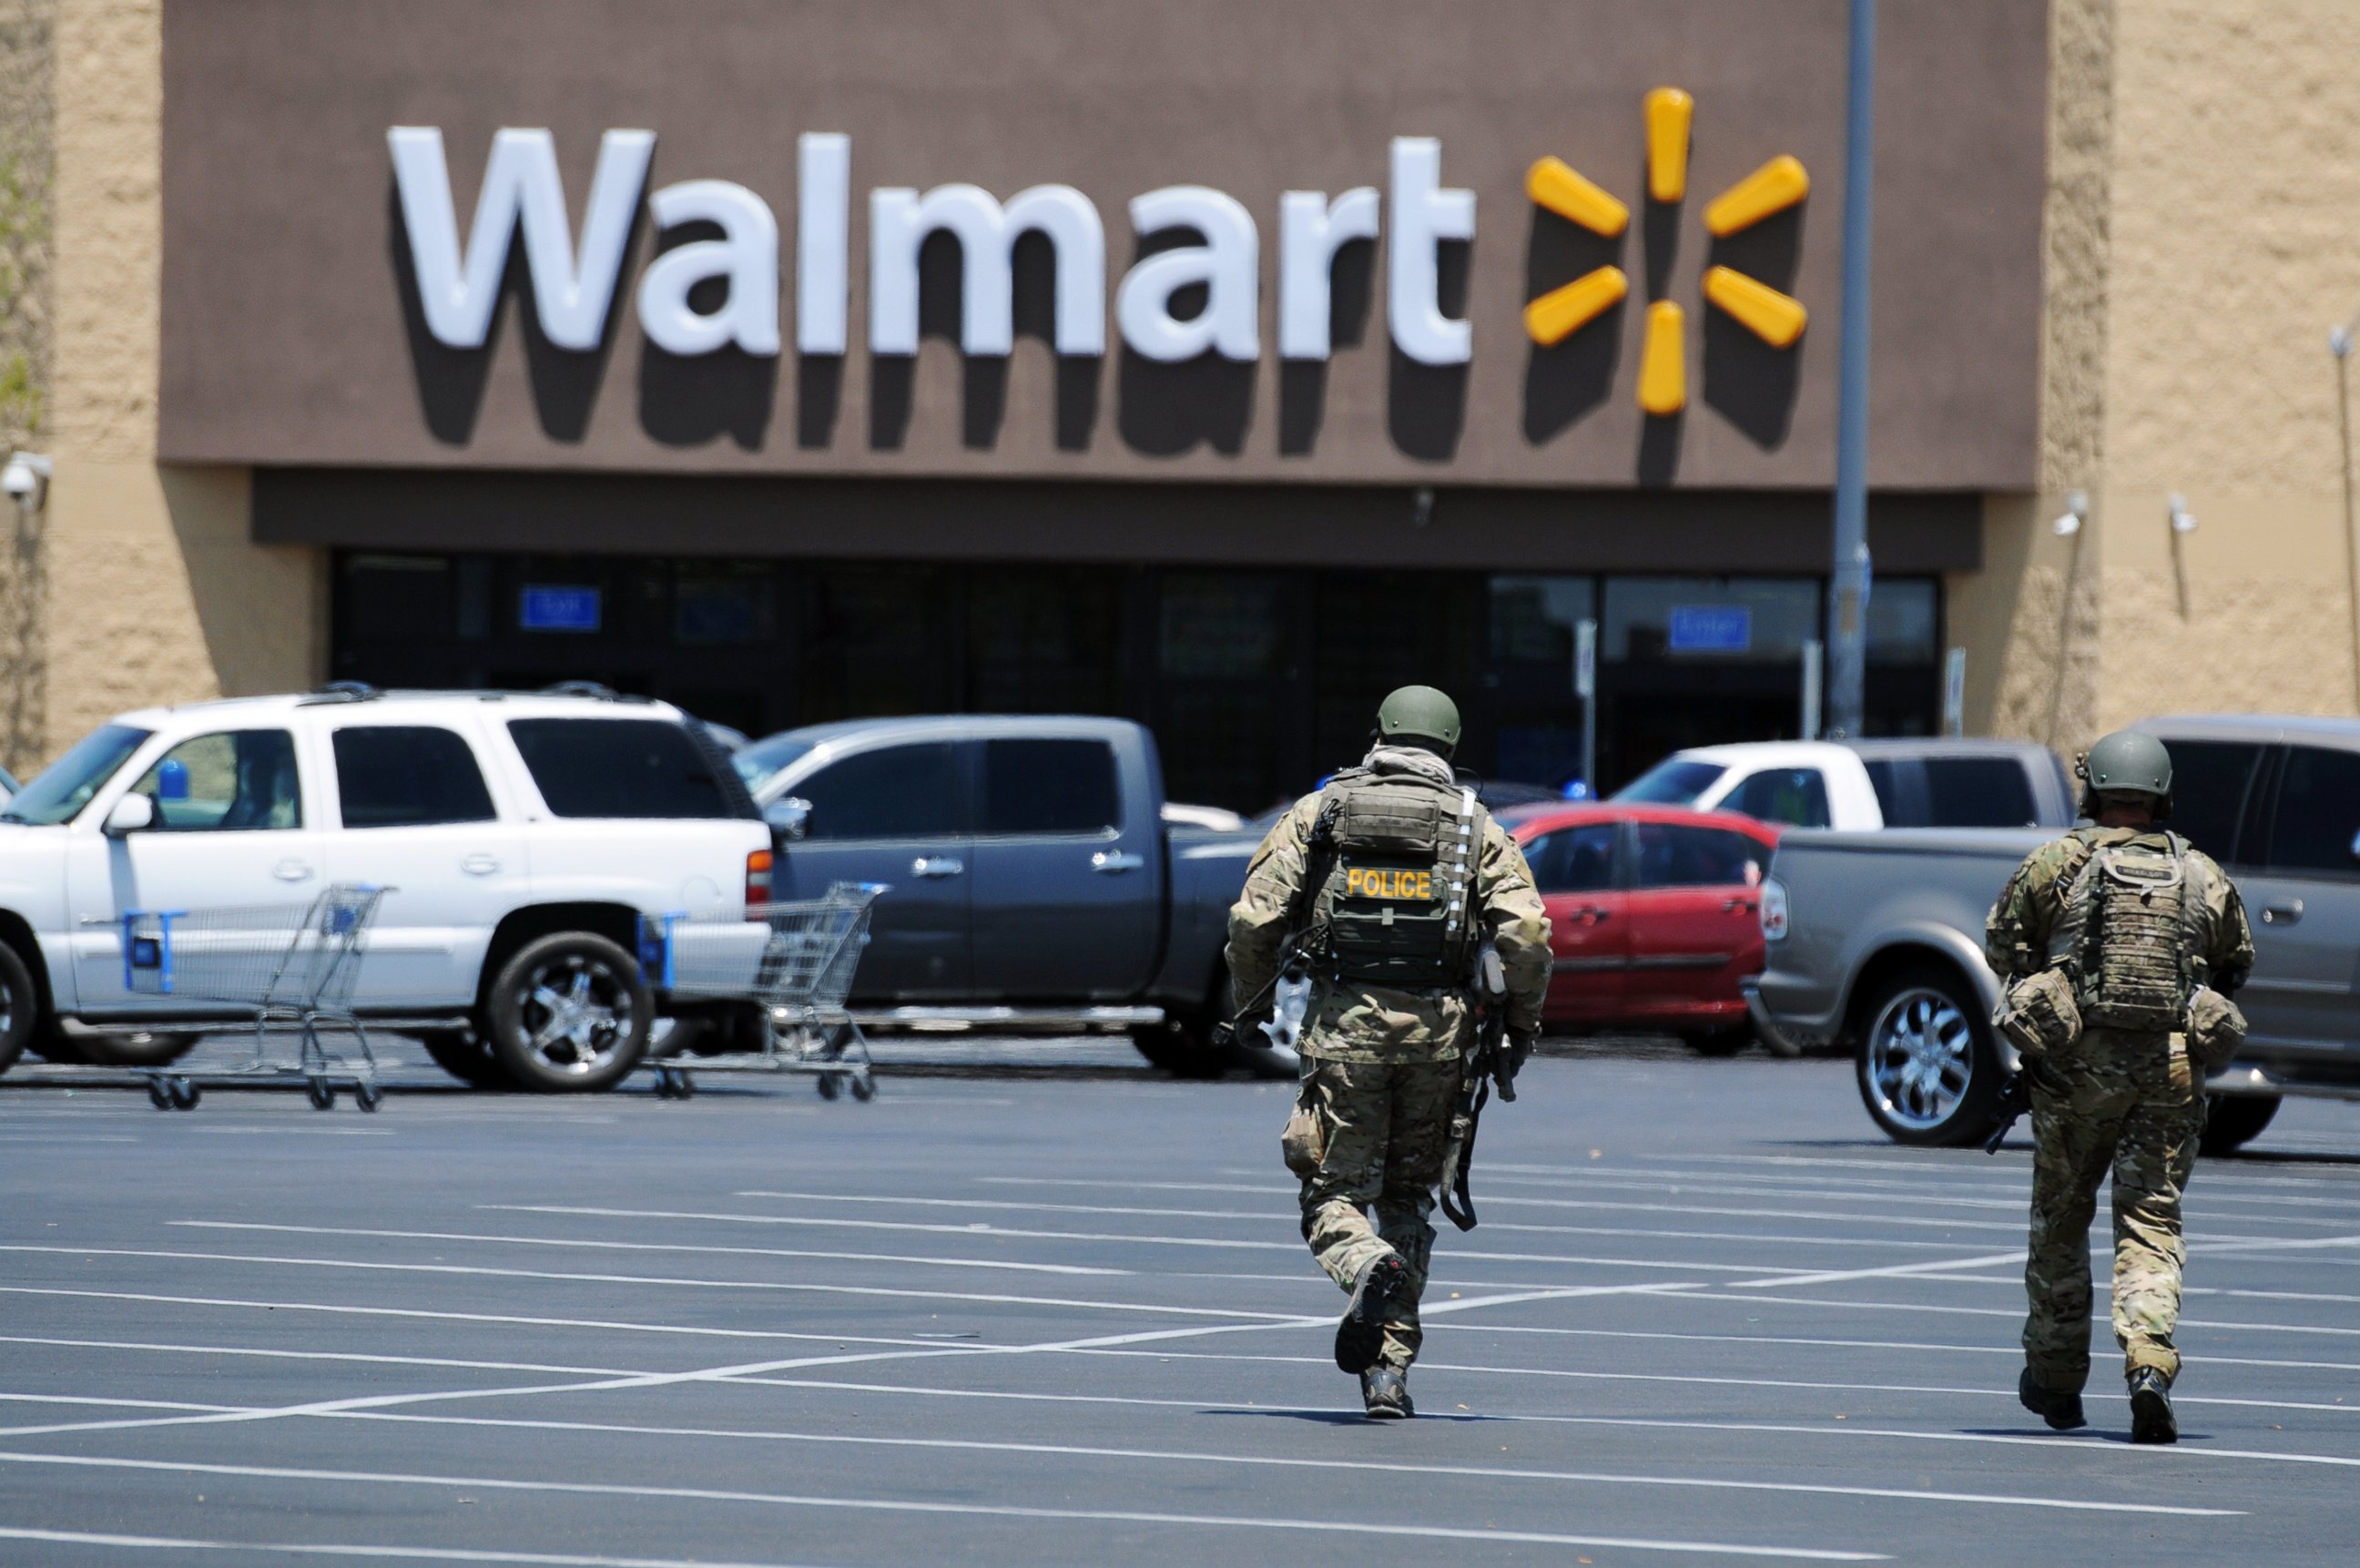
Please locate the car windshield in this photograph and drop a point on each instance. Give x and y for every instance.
(1674, 781)
(765, 760)
(66, 785)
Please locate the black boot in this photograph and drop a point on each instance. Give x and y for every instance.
(1385, 1394)
(2060, 1408)
(1361, 1334)
(2152, 1416)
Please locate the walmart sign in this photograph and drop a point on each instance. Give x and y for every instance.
(575, 277)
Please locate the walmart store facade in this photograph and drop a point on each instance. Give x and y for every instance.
(1221, 365)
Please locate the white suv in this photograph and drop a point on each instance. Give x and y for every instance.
(521, 835)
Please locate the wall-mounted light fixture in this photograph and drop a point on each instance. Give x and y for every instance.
(2182, 519)
(2076, 513)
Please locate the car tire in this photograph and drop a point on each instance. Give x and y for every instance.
(2232, 1121)
(21, 1006)
(568, 1013)
(463, 1055)
(1184, 1052)
(1718, 1042)
(1928, 1069)
(143, 1048)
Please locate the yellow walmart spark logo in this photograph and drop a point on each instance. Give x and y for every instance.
(1776, 318)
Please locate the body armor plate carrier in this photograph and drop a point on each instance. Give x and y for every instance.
(1401, 879)
(2128, 938)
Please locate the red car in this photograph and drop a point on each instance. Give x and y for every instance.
(1654, 914)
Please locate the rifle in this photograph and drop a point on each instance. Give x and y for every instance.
(1487, 1063)
(2014, 1101)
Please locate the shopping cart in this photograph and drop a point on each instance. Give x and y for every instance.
(791, 964)
(288, 968)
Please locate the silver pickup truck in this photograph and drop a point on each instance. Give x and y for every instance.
(1874, 940)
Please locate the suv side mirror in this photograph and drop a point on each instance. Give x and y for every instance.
(790, 814)
(132, 814)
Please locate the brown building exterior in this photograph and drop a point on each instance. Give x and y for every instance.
(798, 363)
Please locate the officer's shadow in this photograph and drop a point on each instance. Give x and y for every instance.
(1346, 1418)
(2088, 1434)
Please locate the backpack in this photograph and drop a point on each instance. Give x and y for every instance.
(2128, 936)
(1401, 858)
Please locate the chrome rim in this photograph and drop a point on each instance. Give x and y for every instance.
(1922, 1057)
(577, 1013)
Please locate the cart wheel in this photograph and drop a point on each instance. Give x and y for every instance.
(157, 1095)
(367, 1095)
(828, 1086)
(185, 1094)
(864, 1088)
(323, 1094)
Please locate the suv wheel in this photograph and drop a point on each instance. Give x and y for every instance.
(1928, 1071)
(21, 1006)
(2231, 1121)
(568, 1013)
(459, 1053)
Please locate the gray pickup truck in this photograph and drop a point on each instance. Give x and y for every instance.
(1876, 939)
(1036, 882)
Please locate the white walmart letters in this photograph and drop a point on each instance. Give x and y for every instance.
(899, 222)
(571, 291)
(1227, 264)
(573, 287)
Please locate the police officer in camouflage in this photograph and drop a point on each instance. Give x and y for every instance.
(1381, 889)
(2119, 946)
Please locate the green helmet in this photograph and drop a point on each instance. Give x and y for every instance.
(1418, 713)
(2126, 762)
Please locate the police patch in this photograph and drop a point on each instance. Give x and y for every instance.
(1401, 887)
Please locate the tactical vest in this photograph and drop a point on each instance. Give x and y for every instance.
(2128, 938)
(1401, 853)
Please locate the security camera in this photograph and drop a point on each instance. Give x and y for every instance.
(2077, 508)
(25, 478)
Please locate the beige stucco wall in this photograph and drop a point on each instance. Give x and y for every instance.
(2203, 238)
(154, 592)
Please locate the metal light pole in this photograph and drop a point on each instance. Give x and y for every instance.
(1848, 585)
(2339, 342)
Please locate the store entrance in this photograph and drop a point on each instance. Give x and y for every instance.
(1257, 682)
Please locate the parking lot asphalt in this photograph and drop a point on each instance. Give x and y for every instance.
(1012, 1312)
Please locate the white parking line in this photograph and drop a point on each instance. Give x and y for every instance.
(113, 1404)
(1427, 1364)
(274, 1354)
(1332, 1528)
(987, 1229)
(1914, 1347)
(505, 1319)
(1495, 1198)
(932, 1261)
(981, 1298)
(353, 1549)
(1487, 1472)
(753, 1369)
(2010, 1194)
(1999, 1312)
(1898, 1270)
(1455, 1256)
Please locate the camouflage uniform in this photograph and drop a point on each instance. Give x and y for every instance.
(1380, 1066)
(2131, 1100)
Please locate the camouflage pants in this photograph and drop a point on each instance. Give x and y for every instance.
(1370, 1136)
(2131, 1103)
